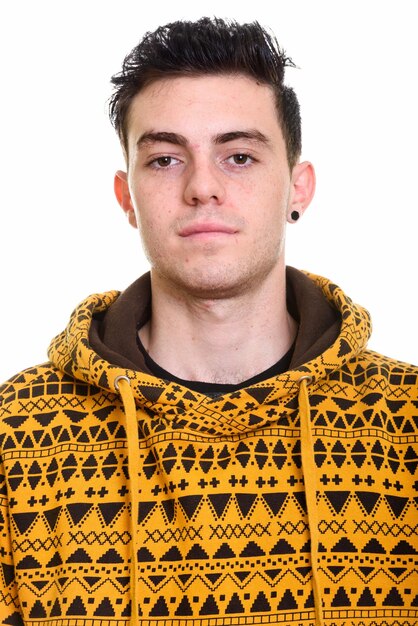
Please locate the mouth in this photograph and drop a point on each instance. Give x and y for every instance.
(207, 229)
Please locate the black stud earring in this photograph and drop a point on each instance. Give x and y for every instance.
(295, 215)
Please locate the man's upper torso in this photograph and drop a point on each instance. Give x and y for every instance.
(209, 491)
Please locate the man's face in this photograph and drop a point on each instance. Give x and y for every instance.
(208, 182)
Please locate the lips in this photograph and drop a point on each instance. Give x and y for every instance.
(206, 227)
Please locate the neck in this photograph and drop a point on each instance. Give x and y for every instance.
(226, 340)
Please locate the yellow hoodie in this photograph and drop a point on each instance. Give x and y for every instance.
(126, 499)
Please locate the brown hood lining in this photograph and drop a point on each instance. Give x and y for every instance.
(113, 333)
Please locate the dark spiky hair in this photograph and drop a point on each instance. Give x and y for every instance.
(213, 47)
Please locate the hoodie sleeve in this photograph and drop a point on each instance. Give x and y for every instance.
(9, 603)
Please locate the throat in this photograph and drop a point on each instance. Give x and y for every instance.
(223, 341)
(218, 383)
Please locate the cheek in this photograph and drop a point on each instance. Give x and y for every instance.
(266, 188)
(150, 228)
(155, 202)
(154, 219)
(271, 217)
(279, 197)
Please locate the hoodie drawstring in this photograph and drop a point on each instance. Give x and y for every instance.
(309, 476)
(123, 386)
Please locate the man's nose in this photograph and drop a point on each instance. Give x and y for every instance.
(204, 184)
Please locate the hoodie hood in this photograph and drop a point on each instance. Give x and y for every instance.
(99, 343)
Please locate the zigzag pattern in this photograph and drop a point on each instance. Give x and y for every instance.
(386, 529)
(102, 538)
(222, 522)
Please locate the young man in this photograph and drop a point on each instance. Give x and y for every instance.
(215, 445)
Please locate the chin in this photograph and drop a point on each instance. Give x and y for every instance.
(226, 282)
(217, 276)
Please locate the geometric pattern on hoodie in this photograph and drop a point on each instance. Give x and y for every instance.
(222, 527)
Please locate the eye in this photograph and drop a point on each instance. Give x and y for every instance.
(240, 159)
(163, 161)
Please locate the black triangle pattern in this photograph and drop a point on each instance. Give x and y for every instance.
(222, 520)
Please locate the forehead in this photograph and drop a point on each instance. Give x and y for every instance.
(197, 105)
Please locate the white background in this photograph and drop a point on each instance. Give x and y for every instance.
(63, 235)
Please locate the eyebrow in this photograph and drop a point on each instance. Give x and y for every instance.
(252, 135)
(180, 140)
(161, 137)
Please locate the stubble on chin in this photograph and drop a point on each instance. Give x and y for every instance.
(212, 281)
(213, 271)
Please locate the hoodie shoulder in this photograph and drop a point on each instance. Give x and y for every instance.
(36, 384)
(390, 366)
(377, 378)
(26, 378)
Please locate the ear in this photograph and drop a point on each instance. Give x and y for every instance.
(303, 189)
(123, 196)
